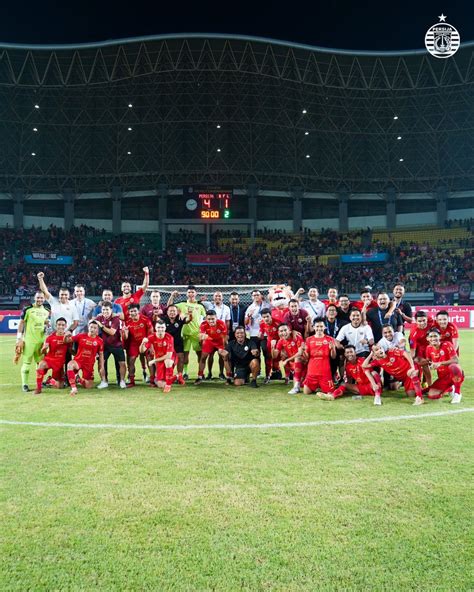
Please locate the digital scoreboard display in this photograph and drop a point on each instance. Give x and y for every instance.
(209, 203)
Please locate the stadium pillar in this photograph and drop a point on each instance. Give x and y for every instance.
(162, 212)
(391, 200)
(18, 201)
(343, 198)
(252, 192)
(116, 210)
(69, 196)
(297, 194)
(441, 205)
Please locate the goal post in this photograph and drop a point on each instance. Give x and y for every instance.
(205, 292)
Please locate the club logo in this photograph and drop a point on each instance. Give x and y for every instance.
(442, 40)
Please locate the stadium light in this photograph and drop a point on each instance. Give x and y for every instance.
(306, 133)
(399, 137)
(33, 154)
(128, 152)
(37, 106)
(308, 156)
(401, 159)
(218, 126)
(129, 129)
(218, 150)
(35, 129)
(130, 105)
(395, 117)
(304, 112)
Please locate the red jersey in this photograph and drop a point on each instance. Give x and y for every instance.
(139, 329)
(328, 302)
(419, 341)
(359, 304)
(289, 346)
(271, 331)
(394, 363)
(442, 354)
(319, 352)
(126, 301)
(153, 313)
(354, 370)
(447, 335)
(87, 348)
(215, 333)
(161, 346)
(278, 315)
(57, 348)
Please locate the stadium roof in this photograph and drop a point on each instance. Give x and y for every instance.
(233, 110)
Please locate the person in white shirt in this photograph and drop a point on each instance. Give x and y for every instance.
(61, 306)
(356, 334)
(84, 307)
(253, 314)
(222, 314)
(313, 306)
(391, 339)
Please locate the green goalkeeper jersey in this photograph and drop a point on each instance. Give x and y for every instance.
(34, 318)
(199, 312)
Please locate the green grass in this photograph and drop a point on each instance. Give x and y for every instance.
(377, 506)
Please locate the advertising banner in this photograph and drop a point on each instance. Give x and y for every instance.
(40, 258)
(365, 258)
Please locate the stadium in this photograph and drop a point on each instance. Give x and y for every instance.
(224, 177)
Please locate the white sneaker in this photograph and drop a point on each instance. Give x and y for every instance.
(418, 401)
(73, 392)
(102, 384)
(122, 384)
(377, 400)
(456, 398)
(295, 390)
(452, 393)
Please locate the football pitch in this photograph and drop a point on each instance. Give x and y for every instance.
(218, 488)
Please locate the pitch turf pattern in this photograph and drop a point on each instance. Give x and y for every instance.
(365, 506)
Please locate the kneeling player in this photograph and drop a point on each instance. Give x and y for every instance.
(89, 345)
(164, 356)
(268, 336)
(367, 383)
(137, 327)
(290, 348)
(399, 364)
(55, 349)
(319, 349)
(444, 360)
(213, 336)
(244, 356)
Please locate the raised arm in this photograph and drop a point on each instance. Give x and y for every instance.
(42, 285)
(146, 279)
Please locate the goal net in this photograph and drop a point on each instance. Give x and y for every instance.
(206, 291)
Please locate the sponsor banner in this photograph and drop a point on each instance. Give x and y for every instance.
(461, 316)
(40, 258)
(365, 258)
(464, 293)
(9, 320)
(206, 259)
(9, 300)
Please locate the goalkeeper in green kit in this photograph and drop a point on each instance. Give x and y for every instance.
(30, 336)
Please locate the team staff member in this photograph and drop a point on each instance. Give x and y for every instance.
(84, 308)
(60, 308)
(333, 325)
(344, 309)
(356, 334)
(112, 337)
(244, 356)
(108, 296)
(313, 306)
(174, 323)
(403, 307)
(385, 313)
(30, 336)
(237, 314)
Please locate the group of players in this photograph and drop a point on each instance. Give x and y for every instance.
(329, 347)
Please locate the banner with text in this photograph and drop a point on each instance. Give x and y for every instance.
(41, 258)
(365, 258)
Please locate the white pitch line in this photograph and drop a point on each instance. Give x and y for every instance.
(238, 426)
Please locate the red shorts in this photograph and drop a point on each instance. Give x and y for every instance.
(87, 369)
(57, 366)
(132, 348)
(160, 370)
(209, 346)
(365, 389)
(407, 384)
(325, 383)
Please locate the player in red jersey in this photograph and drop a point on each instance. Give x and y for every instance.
(128, 298)
(136, 329)
(319, 348)
(333, 298)
(289, 348)
(213, 336)
(55, 347)
(366, 382)
(448, 330)
(268, 337)
(419, 342)
(400, 365)
(89, 345)
(444, 360)
(164, 357)
(366, 302)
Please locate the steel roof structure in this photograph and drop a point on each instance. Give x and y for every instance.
(232, 111)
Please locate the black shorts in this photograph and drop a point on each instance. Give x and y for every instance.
(363, 354)
(241, 372)
(117, 352)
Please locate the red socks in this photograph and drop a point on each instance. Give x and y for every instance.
(39, 378)
(339, 391)
(72, 378)
(169, 375)
(457, 377)
(417, 386)
(298, 371)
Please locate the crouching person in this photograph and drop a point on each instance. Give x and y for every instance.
(244, 356)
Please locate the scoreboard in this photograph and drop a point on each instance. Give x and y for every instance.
(208, 203)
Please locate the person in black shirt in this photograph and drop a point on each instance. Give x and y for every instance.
(244, 356)
(333, 324)
(403, 307)
(237, 314)
(174, 324)
(344, 309)
(385, 313)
